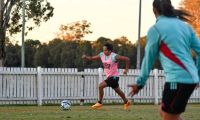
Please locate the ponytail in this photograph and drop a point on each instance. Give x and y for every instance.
(164, 7)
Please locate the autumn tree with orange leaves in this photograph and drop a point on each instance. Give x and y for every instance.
(193, 7)
(74, 31)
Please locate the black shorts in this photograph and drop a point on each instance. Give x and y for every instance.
(175, 97)
(112, 82)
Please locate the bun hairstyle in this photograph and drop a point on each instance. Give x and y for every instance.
(164, 7)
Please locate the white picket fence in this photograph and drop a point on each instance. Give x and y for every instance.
(51, 85)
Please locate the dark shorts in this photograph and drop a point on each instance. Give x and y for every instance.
(112, 82)
(175, 97)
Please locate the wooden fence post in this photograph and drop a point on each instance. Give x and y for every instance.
(156, 86)
(39, 86)
(100, 70)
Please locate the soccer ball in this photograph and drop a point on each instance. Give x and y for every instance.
(65, 105)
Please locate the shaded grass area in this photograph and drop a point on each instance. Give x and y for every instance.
(108, 112)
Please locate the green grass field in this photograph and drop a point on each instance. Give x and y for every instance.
(108, 112)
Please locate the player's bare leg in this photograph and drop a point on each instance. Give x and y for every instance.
(102, 85)
(122, 95)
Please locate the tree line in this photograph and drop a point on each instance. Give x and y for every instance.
(60, 53)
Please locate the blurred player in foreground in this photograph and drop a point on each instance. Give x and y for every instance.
(171, 40)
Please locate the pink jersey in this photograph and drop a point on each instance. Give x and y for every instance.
(110, 67)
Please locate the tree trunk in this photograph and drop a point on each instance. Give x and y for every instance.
(2, 47)
(2, 35)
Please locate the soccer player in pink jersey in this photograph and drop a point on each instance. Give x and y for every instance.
(110, 63)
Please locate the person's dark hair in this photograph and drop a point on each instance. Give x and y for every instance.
(109, 46)
(164, 7)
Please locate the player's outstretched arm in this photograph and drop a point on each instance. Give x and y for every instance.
(90, 58)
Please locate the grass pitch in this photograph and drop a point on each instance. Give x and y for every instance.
(108, 112)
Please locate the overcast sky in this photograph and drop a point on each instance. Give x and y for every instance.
(108, 18)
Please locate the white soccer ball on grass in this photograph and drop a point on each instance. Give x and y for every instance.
(65, 105)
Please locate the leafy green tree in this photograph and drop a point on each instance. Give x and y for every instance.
(10, 16)
(55, 48)
(123, 46)
(31, 47)
(84, 47)
(41, 57)
(69, 54)
(13, 55)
